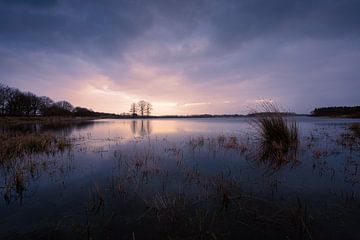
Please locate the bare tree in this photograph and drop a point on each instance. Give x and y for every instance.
(2, 98)
(65, 105)
(24, 102)
(133, 109)
(35, 104)
(31, 104)
(148, 108)
(142, 107)
(46, 102)
(14, 102)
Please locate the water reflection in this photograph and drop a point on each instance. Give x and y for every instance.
(141, 128)
(208, 161)
(61, 128)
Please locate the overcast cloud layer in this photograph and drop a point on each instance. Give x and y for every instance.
(183, 56)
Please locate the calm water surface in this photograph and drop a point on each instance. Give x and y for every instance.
(120, 168)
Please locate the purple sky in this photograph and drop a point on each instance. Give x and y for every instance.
(185, 57)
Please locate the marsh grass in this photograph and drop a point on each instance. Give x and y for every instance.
(17, 145)
(18, 166)
(279, 138)
(355, 128)
(23, 159)
(43, 120)
(351, 138)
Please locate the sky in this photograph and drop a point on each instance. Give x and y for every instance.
(183, 56)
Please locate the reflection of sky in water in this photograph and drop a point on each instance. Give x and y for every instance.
(106, 148)
(128, 128)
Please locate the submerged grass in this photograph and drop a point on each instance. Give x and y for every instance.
(23, 156)
(16, 145)
(279, 138)
(351, 139)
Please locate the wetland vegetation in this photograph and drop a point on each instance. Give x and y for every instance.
(267, 177)
(19, 144)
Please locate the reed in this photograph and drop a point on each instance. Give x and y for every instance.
(16, 145)
(279, 138)
(355, 128)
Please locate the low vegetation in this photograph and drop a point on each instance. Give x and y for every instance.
(10, 121)
(158, 187)
(355, 128)
(278, 135)
(15, 145)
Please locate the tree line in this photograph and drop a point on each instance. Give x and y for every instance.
(142, 108)
(337, 111)
(14, 102)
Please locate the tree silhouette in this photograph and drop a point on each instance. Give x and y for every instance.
(13, 102)
(336, 111)
(141, 107)
(148, 109)
(45, 102)
(65, 105)
(2, 98)
(133, 109)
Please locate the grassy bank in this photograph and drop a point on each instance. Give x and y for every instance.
(44, 120)
(17, 145)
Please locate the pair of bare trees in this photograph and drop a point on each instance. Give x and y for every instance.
(142, 108)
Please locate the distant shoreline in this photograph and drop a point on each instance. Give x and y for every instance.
(54, 120)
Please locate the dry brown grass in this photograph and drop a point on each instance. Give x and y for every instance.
(15, 145)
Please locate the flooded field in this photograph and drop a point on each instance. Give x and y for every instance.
(182, 179)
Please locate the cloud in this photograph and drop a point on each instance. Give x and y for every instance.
(30, 3)
(195, 104)
(172, 53)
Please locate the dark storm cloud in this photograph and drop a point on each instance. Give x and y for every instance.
(95, 26)
(284, 19)
(101, 27)
(229, 50)
(34, 3)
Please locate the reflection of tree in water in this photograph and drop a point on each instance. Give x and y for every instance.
(64, 128)
(141, 127)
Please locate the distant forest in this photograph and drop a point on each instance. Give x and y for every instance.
(14, 102)
(337, 111)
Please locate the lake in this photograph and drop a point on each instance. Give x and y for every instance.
(183, 179)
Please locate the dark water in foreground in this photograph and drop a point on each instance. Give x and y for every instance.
(184, 178)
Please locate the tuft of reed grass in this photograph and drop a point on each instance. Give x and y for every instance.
(279, 138)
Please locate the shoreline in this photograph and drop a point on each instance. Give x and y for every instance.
(53, 120)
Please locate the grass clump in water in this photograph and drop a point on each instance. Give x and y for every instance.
(355, 128)
(278, 135)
